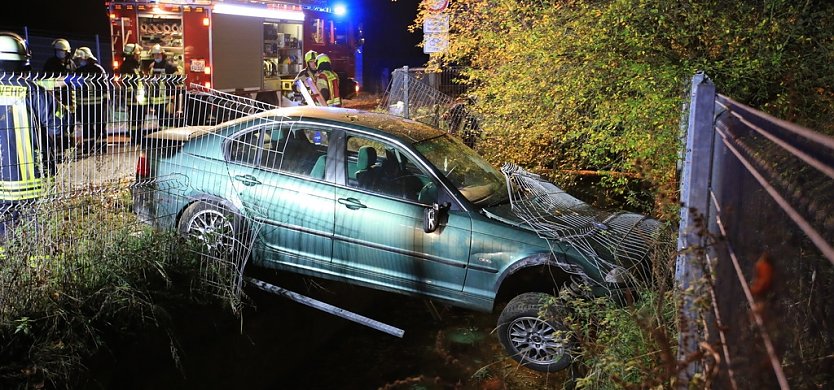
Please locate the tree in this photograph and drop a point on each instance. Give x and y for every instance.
(567, 86)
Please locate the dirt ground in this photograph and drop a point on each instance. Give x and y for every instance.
(281, 344)
(364, 101)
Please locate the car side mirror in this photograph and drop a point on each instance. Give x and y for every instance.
(432, 216)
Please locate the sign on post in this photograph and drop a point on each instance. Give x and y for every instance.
(436, 33)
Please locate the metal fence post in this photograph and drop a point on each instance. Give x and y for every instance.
(695, 184)
(405, 92)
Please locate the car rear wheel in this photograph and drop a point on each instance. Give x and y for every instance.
(530, 331)
(216, 228)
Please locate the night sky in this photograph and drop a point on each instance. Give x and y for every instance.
(388, 44)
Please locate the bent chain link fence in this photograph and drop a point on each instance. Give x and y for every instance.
(435, 98)
(71, 150)
(756, 262)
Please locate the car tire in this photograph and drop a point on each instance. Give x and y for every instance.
(531, 333)
(218, 228)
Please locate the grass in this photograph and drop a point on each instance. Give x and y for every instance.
(78, 273)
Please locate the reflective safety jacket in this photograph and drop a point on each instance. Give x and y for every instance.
(163, 89)
(27, 114)
(328, 84)
(133, 86)
(94, 91)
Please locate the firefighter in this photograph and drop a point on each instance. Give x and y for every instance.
(133, 90)
(91, 102)
(162, 88)
(327, 81)
(60, 63)
(130, 60)
(31, 120)
(309, 70)
(54, 69)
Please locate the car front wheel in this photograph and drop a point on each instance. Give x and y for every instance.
(530, 330)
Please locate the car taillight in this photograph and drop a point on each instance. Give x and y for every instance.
(143, 167)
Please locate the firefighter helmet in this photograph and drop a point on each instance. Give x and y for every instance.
(310, 56)
(84, 53)
(321, 59)
(157, 49)
(14, 52)
(130, 49)
(61, 44)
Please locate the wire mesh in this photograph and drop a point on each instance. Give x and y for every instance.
(435, 98)
(770, 266)
(608, 240)
(69, 148)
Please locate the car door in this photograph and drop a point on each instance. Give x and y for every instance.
(278, 170)
(379, 236)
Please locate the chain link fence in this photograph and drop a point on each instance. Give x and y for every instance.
(757, 262)
(436, 98)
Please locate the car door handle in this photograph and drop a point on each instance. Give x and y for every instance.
(352, 203)
(247, 180)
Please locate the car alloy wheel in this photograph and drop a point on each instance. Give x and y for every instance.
(530, 331)
(535, 340)
(212, 226)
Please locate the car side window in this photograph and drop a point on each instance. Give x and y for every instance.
(246, 147)
(385, 169)
(297, 150)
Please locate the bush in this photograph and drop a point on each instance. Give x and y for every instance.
(569, 87)
(80, 273)
(623, 346)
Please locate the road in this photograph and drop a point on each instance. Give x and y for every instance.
(116, 167)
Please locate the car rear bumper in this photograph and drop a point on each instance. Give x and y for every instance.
(155, 201)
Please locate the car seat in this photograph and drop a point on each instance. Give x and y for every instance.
(318, 169)
(274, 149)
(299, 154)
(366, 170)
(393, 178)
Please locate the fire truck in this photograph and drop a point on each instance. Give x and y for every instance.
(241, 47)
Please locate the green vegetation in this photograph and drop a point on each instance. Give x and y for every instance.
(592, 92)
(597, 87)
(90, 274)
(623, 347)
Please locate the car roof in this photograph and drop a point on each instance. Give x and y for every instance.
(407, 129)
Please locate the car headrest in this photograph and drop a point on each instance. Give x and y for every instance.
(366, 158)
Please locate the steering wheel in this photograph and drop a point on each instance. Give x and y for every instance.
(424, 192)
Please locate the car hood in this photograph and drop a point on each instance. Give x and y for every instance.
(610, 240)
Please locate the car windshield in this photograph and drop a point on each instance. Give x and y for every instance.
(475, 178)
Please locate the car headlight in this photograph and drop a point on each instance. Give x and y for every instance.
(617, 275)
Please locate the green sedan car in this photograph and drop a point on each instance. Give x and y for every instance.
(383, 202)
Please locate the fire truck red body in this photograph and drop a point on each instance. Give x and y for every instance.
(238, 46)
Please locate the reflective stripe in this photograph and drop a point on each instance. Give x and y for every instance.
(333, 85)
(51, 83)
(159, 95)
(23, 140)
(30, 185)
(90, 98)
(20, 185)
(34, 190)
